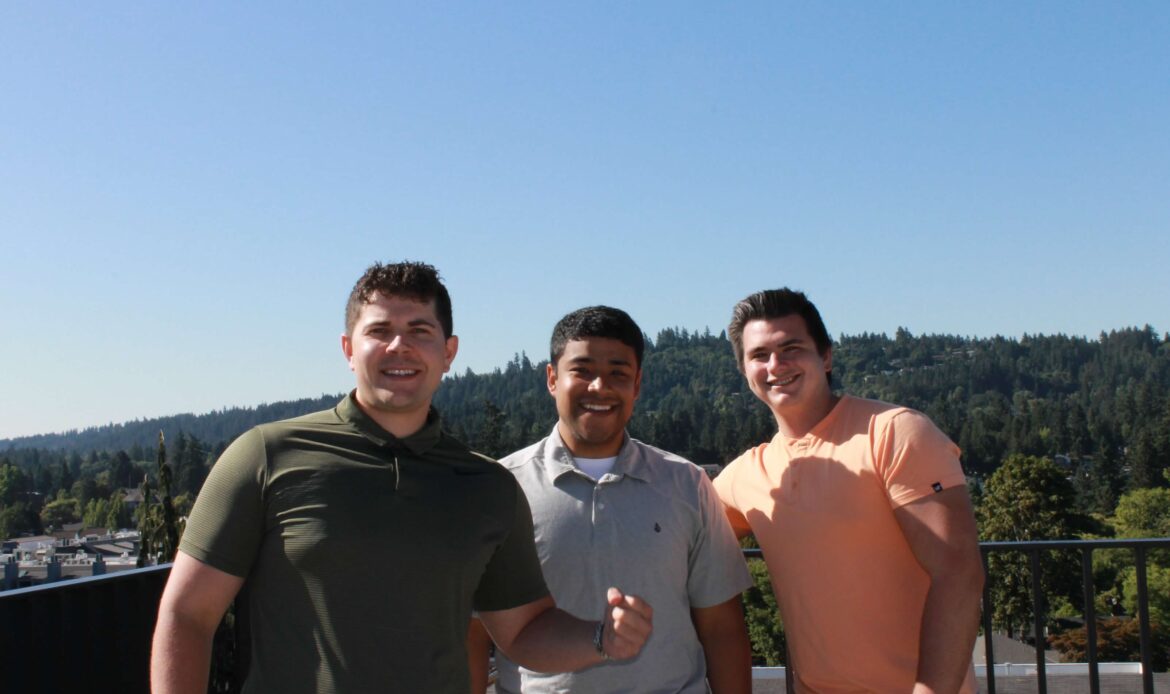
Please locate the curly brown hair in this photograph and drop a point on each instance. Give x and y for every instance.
(408, 279)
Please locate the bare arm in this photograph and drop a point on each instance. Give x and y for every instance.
(193, 602)
(723, 634)
(479, 646)
(941, 532)
(546, 639)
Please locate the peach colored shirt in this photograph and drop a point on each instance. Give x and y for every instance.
(821, 507)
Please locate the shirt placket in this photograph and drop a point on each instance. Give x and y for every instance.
(604, 525)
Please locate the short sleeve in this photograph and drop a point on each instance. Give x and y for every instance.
(724, 486)
(914, 458)
(717, 570)
(226, 524)
(512, 576)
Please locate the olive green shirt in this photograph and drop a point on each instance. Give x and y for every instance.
(363, 554)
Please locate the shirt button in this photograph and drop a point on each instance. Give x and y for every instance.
(601, 505)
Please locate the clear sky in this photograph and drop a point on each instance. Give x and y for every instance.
(188, 191)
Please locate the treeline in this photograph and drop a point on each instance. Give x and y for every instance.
(1098, 407)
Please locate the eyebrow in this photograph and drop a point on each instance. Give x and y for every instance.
(783, 343)
(591, 360)
(410, 323)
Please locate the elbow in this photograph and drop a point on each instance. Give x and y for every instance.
(961, 574)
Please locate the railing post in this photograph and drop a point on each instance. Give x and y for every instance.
(53, 570)
(988, 647)
(1038, 614)
(99, 566)
(11, 573)
(1090, 619)
(1144, 620)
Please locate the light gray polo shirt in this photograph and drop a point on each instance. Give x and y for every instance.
(653, 527)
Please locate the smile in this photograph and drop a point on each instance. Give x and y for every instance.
(399, 372)
(780, 382)
(593, 407)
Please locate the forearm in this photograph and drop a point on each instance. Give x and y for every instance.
(950, 622)
(729, 663)
(555, 641)
(479, 646)
(180, 656)
(726, 648)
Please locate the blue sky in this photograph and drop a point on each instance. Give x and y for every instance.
(187, 192)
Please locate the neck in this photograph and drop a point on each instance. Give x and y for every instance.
(401, 424)
(609, 450)
(798, 423)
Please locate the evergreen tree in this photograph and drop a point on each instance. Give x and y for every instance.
(158, 526)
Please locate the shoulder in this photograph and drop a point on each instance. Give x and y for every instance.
(671, 463)
(745, 471)
(751, 456)
(527, 456)
(896, 420)
(324, 420)
(320, 417)
(881, 417)
(667, 471)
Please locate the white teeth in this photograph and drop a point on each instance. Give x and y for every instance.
(782, 381)
(596, 408)
(398, 372)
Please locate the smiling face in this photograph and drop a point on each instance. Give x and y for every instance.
(397, 351)
(785, 370)
(595, 383)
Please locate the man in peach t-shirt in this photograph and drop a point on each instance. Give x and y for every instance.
(862, 512)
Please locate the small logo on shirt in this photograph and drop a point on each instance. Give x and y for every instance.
(937, 487)
(657, 528)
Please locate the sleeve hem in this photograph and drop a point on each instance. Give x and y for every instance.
(911, 495)
(215, 561)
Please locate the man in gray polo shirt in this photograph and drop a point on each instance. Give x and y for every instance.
(610, 510)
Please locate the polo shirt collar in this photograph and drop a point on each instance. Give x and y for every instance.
(419, 443)
(559, 460)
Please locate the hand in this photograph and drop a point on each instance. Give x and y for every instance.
(627, 624)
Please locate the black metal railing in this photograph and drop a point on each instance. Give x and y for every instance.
(93, 634)
(81, 635)
(1033, 551)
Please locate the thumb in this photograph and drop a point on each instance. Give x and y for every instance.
(614, 597)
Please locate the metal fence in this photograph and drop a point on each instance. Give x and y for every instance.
(93, 634)
(1033, 551)
(81, 635)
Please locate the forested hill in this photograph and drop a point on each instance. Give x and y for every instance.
(220, 425)
(1102, 405)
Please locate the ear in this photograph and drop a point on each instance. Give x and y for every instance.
(550, 373)
(828, 360)
(450, 349)
(638, 383)
(347, 349)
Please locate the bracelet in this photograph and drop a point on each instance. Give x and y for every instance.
(598, 643)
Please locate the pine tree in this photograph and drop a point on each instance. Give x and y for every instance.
(158, 526)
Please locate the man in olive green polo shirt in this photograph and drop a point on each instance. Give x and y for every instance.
(363, 536)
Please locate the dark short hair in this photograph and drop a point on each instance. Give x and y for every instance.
(777, 303)
(597, 321)
(409, 280)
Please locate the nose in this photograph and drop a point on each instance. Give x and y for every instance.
(396, 343)
(596, 384)
(774, 361)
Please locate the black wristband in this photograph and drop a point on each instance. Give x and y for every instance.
(598, 642)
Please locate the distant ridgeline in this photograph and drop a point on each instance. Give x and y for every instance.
(1089, 403)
